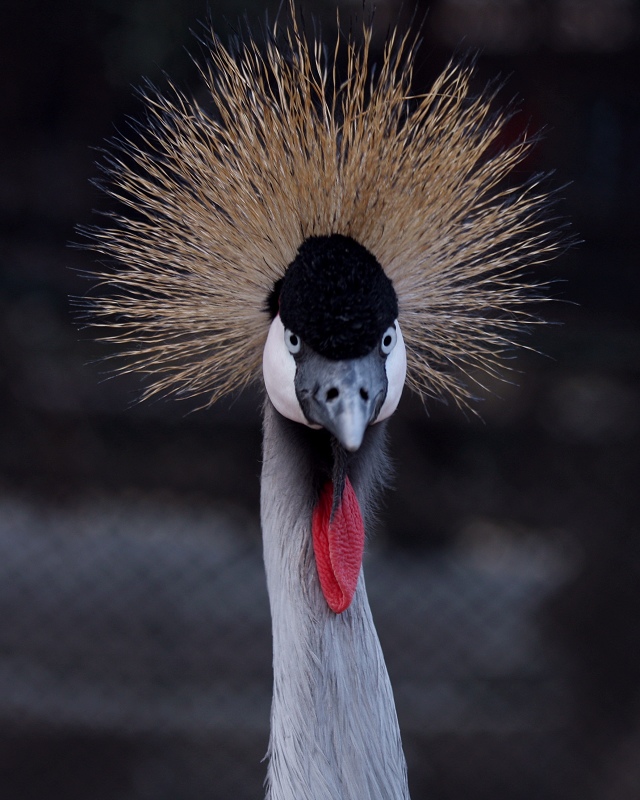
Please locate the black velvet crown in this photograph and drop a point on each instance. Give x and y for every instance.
(336, 297)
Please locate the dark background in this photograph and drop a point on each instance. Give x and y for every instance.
(505, 572)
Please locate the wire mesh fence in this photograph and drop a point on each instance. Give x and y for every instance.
(135, 658)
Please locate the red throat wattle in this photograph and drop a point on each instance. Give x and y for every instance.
(338, 544)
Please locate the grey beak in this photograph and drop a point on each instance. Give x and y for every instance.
(342, 396)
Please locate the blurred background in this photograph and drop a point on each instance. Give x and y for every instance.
(505, 572)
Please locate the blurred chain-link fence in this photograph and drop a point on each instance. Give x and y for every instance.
(135, 657)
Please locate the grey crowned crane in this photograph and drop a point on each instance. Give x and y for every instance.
(333, 239)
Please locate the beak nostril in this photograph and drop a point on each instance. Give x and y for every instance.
(332, 394)
(364, 394)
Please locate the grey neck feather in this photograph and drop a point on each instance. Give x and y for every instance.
(334, 730)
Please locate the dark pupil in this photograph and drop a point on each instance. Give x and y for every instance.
(293, 339)
(386, 341)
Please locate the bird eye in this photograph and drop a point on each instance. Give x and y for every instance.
(388, 341)
(293, 342)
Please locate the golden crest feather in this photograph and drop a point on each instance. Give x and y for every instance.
(219, 203)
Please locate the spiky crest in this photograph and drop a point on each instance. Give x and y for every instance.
(219, 204)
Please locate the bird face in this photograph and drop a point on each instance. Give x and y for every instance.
(335, 357)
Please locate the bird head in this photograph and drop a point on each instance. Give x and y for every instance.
(308, 216)
(334, 356)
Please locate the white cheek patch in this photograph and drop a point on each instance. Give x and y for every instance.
(396, 368)
(279, 372)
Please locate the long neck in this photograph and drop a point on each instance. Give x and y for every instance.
(334, 730)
